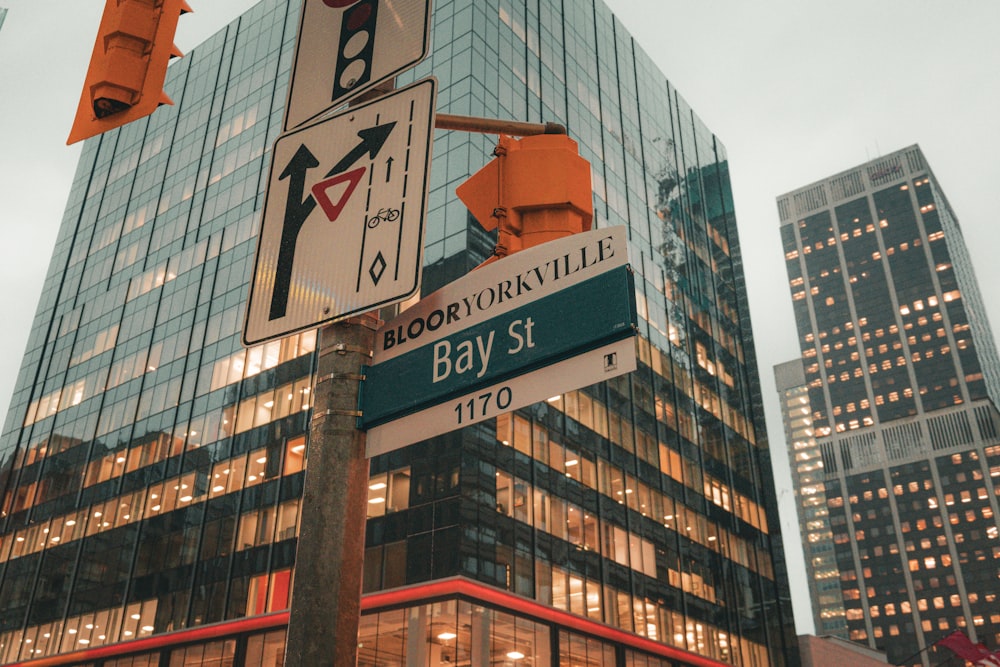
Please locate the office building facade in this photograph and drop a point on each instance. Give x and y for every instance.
(901, 372)
(806, 464)
(153, 468)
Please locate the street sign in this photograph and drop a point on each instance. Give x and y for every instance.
(346, 47)
(600, 364)
(536, 334)
(342, 227)
(528, 311)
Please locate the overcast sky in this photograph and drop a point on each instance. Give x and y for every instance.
(797, 90)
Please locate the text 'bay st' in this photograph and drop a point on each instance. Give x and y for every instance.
(480, 344)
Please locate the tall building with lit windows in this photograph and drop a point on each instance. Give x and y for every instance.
(152, 468)
(901, 375)
(806, 464)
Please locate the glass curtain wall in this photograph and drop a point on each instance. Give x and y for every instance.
(151, 468)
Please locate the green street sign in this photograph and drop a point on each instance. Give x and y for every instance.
(573, 320)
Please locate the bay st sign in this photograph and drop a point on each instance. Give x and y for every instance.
(487, 343)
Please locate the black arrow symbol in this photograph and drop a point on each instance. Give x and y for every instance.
(388, 168)
(297, 210)
(372, 140)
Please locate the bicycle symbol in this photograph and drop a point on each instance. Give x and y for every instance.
(383, 215)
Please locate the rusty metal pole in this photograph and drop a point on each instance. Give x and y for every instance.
(516, 128)
(325, 610)
(329, 560)
(326, 598)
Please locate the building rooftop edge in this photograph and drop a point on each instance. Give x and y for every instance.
(849, 645)
(844, 172)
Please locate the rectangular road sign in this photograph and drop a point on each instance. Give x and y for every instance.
(511, 318)
(600, 364)
(540, 332)
(346, 47)
(343, 220)
(502, 286)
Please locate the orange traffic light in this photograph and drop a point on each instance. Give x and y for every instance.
(536, 190)
(129, 65)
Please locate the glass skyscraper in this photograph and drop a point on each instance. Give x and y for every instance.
(152, 468)
(901, 380)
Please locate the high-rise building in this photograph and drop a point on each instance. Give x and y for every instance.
(3, 15)
(901, 377)
(153, 468)
(810, 497)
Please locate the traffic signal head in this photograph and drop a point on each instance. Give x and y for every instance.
(129, 65)
(538, 189)
(355, 46)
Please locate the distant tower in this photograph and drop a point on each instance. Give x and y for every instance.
(902, 375)
(810, 497)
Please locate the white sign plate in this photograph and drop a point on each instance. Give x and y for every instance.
(500, 287)
(343, 221)
(582, 370)
(346, 47)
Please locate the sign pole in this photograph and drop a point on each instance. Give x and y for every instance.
(326, 601)
(325, 608)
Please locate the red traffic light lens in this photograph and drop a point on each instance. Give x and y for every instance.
(357, 18)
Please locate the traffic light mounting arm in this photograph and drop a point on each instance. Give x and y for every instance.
(517, 128)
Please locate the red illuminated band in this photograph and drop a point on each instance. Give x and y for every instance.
(373, 602)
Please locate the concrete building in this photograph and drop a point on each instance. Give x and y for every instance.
(153, 468)
(826, 651)
(901, 376)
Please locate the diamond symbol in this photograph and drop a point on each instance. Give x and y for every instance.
(377, 268)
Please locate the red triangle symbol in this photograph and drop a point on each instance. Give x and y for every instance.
(321, 191)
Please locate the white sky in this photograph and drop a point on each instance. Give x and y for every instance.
(797, 90)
